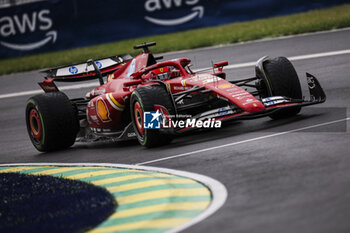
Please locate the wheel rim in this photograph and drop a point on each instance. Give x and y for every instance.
(138, 115)
(35, 124)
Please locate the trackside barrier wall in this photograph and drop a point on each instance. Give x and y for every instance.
(51, 25)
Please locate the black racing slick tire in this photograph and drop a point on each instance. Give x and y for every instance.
(143, 100)
(283, 81)
(52, 121)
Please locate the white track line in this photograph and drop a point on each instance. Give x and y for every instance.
(294, 58)
(34, 92)
(217, 189)
(234, 66)
(241, 142)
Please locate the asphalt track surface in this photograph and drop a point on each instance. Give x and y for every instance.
(290, 175)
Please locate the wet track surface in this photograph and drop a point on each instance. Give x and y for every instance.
(290, 175)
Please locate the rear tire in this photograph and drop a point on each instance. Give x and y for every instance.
(143, 100)
(284, 81)
(52, 122)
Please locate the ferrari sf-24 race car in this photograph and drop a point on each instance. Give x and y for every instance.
(144, 99)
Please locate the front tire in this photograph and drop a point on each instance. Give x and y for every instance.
(283, 81)
(52, 122)
(143, 100)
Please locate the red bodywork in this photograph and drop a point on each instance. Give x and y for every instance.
(108, 105)
(115, 94)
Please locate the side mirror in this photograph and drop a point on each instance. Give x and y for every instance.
(220, 65)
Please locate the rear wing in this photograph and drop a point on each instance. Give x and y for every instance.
(87, 71)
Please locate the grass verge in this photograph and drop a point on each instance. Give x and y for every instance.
(312, 21)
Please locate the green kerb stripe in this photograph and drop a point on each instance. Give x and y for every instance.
(102, 177)
(163, 201)
(137, 180)
(159, 187)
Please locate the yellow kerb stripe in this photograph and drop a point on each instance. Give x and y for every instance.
(149, 183)
(159, 208)
(116, 102)
(162, 194)
(149, 224)
(98, 173)
(128, 177)
(18, 169)
(55, 170)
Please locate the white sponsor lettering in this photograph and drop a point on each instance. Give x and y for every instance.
(84, 67)
(151, 6)
(131, 135)
(8, 28)
(24, 24)
(311, 83)
(192, 123)
(47, 22)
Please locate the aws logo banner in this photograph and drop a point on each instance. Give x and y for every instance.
(27, 30)
(52, 25)
(173, 12)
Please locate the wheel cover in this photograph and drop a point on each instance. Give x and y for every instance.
(35, 124)
(138, 115)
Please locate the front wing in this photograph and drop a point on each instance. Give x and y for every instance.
(272, 104)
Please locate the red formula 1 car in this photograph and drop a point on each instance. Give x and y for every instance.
(153, 101)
